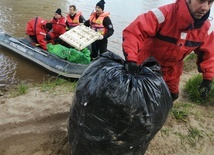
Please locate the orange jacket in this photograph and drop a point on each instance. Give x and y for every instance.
(73, 22)
(97, 23)
(36, 27)
(59, 27)
(169, 33)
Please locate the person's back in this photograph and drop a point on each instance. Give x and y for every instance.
(35, 25)
(74, 17)
(36, 29)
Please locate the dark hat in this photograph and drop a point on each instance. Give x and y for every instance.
(59, 11)
(101, 4)
(49, 26)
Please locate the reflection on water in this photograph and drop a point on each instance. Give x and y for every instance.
(15, 14)
(7, 71)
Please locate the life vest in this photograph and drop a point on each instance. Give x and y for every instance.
(97, 23)
(73, 22)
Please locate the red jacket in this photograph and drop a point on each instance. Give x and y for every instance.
(169, 34)
(36, 27)
(59, 27)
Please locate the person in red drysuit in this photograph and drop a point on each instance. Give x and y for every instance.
(37, 30)
(59, 26)
(169, 33)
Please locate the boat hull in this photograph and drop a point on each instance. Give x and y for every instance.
(41, 57)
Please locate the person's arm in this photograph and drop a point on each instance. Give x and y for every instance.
(67, 25)
(109, 26)
(41, 40)
(205, 63)
(87, 23)
(62, 29)
(144, 26)
(62, 26)
(205, 59)
(81, 19)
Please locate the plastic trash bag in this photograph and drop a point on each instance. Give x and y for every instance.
(115, 112)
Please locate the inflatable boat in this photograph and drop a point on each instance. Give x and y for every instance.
(41, 57)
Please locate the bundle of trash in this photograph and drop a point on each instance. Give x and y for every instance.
(115, 112)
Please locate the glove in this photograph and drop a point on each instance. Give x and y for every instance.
(100, 37)
(174, 96)
(132, 67)
(48, 37)
(205, 88)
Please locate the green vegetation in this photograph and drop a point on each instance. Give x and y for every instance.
(51, 85)
(193, 136)
(192, 85)
(181, 111)
(19, 89)
(54, 86)
(191, 88)
(190, 57)
(22, 89)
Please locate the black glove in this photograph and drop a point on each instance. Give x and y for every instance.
(174, 96)
(132, 67)
(48, 37)
(205, 88)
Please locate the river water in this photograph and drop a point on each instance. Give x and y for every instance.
(15, 14)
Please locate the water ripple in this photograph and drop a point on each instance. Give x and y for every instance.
(7, 71)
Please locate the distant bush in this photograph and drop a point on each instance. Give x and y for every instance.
(191, 89)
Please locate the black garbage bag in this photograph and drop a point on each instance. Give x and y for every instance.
(115, 112)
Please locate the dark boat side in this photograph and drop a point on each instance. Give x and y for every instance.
(43, 58)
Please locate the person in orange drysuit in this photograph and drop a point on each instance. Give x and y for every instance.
(169, 33)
